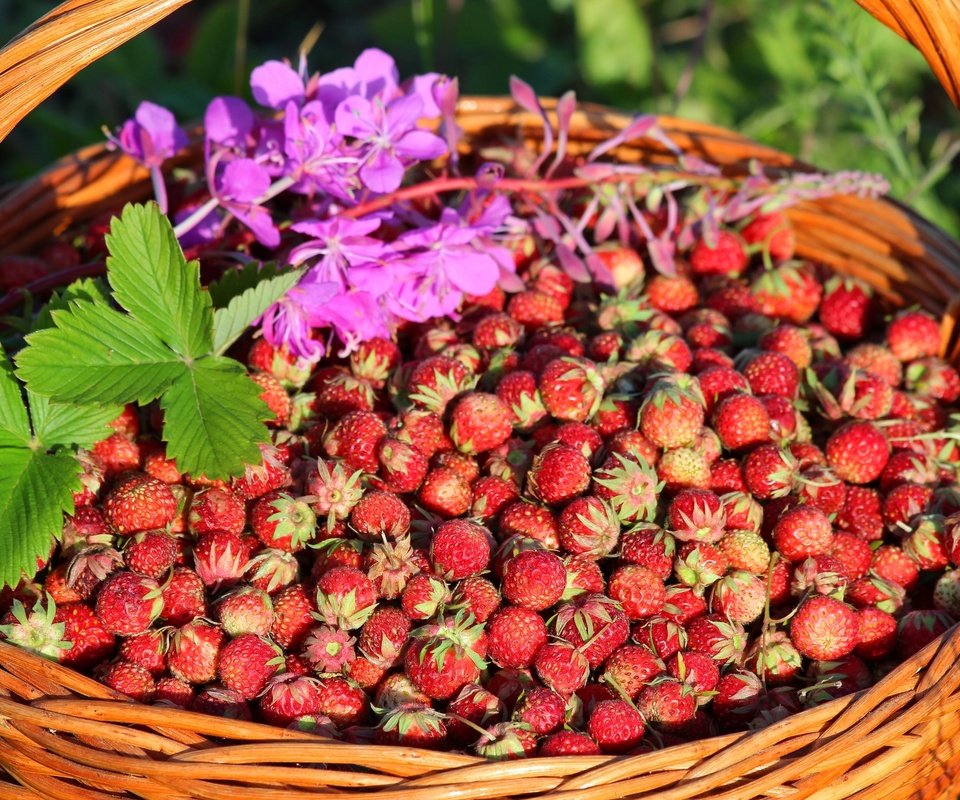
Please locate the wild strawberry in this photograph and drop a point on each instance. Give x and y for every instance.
(424, 596)
(858, 452)
(878, 634)
(741, 421)
(514, 636)
(853, 553)
(402, 466)
(682, 604)
(118, 453)
(287, 697)
(216, 509)
(877, 360)
(246, 610)
(630, 667)
(44, 630)
(724, 254)
(616, 726)
(460, 549)
(292, 617)
(273, 394)
(173, 692)
(631, 487)
(194, 652)
(328, 650)
(247, 663)
(345, 597)
(595, 624)
(479, 422)
(769, 471)
(391, 565)
(150, 553)
(337, 393)
(534, 579)
(444, 657)
(335, 491)
(772, 233)
(802, 532)
(723, 639)
(542, 709)
(354, 438)
(589, 525)
(412, 725)
(558, 474)
(789, 292)
(220, 558)
(738, 698)
(184, 597)
(672, 294)
(131, 680)
(697, 515)
(825, 629)
(139, 502)
(506, 741)
(913, 334)
(445, 492)
(916, 629)
(697, 670)
(128, 604)
(699, 565)
(384, 635)
(221, 702)
(423, 429)
(639, 591)
(374, 360)
(257, 480)
(491, 495)
(925, 544)
(568, 743)
(380, 514)
(684, 468)
(571, 389)
(518, 392)
(773, 657)
(846, 307)
(533, 309)
(562, 667)
(740, 596)
(272, 569)
(673, 412)
(667, 703)
(435, 381)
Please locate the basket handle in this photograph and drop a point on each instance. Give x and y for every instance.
(933, 27)
(35, 63)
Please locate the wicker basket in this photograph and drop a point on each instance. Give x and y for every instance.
(63, 735)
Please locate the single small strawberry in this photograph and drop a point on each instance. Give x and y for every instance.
(630, 485)
(445, 492)
(568, 743)
(374, 360)
(673, 412)
(247, 663)
(639, 591)
(402, 466)
(562, 667)
(533, 309)
(216, 509)
(913, 334)
(672, 294)
(492, 494)
(337, 393)
(435, 381)
(594, 623)
(128, 603)
(355, 438)
(173, 692)
(589, 525)
(878, 634)
(667, 703)
(740, 596)
(741, 421)
(558, 474)
(460, 549)
(790, 292)
(801, 532)
(194, 652)
(847, 307)
(445, 656)
(292, 617)
(346, 597)
(139, 502)
(825, 629)
(916, 629)
(697, 515)
(534, 579)
(722, 254)
(150, 553)
(571, 388)
(378, 515)
(131, 680)
(246, 610)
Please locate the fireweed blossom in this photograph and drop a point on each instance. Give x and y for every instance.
(151, 137)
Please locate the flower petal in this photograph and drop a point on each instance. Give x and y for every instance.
(383, 173)
(420, 145)
(228, 121)
(274, 84)
(244, 180)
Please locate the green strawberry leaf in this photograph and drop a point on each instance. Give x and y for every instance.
(243, 308)
(36, 489)
(64, 424)
(234, 282)
(14, 424)
(154, 282)
(95, 354)
(93, 290)
(213, 419)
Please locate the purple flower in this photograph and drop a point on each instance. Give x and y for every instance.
(373, 75)
(348, 256)
(387, 136)
(275, 84)
(238, 187)
(228, 122)
(152, 136)
(287, 323)
(437, 266)
(313, 155)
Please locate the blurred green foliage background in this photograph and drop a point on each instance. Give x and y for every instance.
(818, 78)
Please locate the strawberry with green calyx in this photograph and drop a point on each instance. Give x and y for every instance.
(35, 630)
(789, 291)
(221, 558)
(474, 706)
(92, 565)
(336, 393)
(721, 638)
(595, 624)
(492, 494)
(478, 596)
(495, 331)
(402, 466)
(345, 597)
(184, 597)
(283, 521)
(916, 629)
(328, 650)
(384, 635)
(770, 471)
(335, 490)
(583, 576)
(507, 741)
(672, 412)
(743, 511)
(128, 604)
(391, 565)
(518, 392)
(247, 663)
(630, 486)
(288, 697)
(697, 670)
(412, 725)
(589, 525)
(272, 570)
(194, 652)
(435, 381)
(258, 479)
(479, 422)
(932, 377)
(946, 593)
(740, 596)
(374, 359)
(445, 656)
(630, 667)
(649, 546)
(697, 515)
(773, 657)
(562, 667)
(355, 438)
(699, 565)
(667, 703)
(655, 350)
(292, 372)
(424, 596)
(571, 389)
(542, 709)
(660, 635)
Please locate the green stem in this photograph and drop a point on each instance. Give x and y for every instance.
(422, 12)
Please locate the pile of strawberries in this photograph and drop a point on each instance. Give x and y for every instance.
(568, 522)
